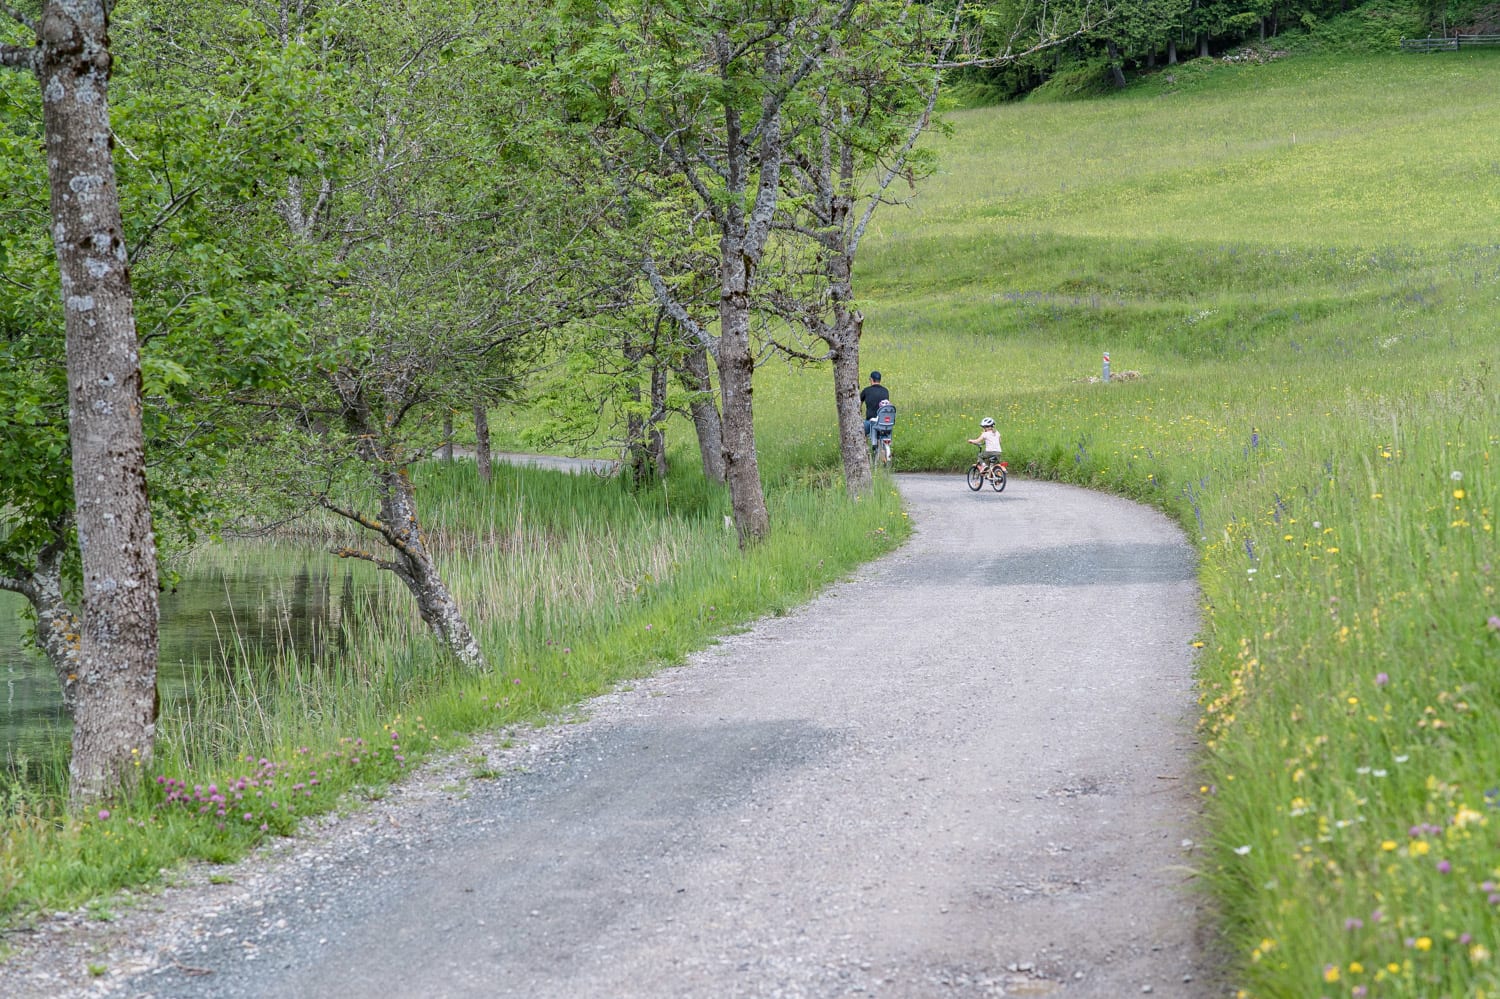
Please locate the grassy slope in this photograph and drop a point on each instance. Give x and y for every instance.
(1300, 260)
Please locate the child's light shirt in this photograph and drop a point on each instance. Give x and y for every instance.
(990, 438)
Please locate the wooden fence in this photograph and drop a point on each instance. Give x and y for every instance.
(1452, 43)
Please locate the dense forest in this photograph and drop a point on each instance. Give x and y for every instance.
(1133, 36)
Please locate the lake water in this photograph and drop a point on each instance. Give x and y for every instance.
(233, 598)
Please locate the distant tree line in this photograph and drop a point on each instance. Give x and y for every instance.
(1132, 36)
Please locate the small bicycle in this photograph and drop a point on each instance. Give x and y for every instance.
(880, 453)
(880, 427)
(993, 472)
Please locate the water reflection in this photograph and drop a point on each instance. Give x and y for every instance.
(236, 604)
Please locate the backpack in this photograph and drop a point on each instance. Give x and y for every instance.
(885, 415)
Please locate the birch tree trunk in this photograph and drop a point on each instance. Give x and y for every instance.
(114, 695)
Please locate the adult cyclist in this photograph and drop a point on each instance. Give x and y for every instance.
(871, 398)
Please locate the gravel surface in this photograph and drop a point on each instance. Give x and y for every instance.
(966, 773)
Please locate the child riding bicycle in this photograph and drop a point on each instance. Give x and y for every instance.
(988, 441)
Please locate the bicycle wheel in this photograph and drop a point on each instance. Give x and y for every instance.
(976, 478)
(997, 479)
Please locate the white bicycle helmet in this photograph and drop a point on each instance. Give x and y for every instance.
(986, 422)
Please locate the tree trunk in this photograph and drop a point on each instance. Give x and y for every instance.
(1115, 72)
(414, 567)
(636, 457)
(843, 337)
(706, 421)
(1203, 46)
(637, 462)
(854, 446)
(57, 627)
(656, 443)
(114, 720)
(446, 451)
(736, 368)
(1171, 52)
(413, 564)
(399, 525)
(482, 441)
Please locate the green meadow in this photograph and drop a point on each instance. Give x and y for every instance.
(1293, 269)
(1294, 265)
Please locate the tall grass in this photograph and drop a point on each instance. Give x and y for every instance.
(1298, 261)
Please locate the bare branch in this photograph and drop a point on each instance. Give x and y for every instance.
(810, 61)
(365, 521)
(1010, 55)
(675, 309)
(896, 167)
(10, 280)
(163, 216)
(365, 556)
(778, 96)
(793, 352)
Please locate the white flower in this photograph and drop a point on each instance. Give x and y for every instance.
(1456, 475)
(1242, 850)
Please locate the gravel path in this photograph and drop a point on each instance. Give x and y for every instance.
(967, 773)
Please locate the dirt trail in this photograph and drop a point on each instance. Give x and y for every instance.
(966, 773)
